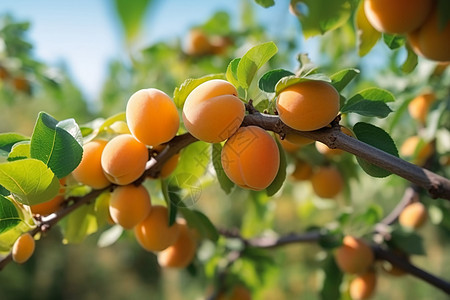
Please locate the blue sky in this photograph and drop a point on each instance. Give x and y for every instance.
(85, 35)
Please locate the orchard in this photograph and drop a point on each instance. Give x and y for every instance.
(230, 164)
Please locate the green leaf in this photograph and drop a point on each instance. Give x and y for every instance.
(367, 35)
(20, 150)
(370, 102)
(85, 131)
(225, 183)
(320, 16)
(394, 41)
(231, 74)
(9, 216)
(110, 236)
(194, 160)
(269, 80)
(29, 180)
(252, 61)
(408, 241)
(57, 144)
(131, 16)
(332, 280)
(3, 191)
(172, 201)
(330, 239)
(287, 81)
(342, 78)
(377, 137)
(410, 62)
(280, 178)
(443, 7)
(265, 3)
(79, 224)
(180, 93)
(7, 140)
(201, 223)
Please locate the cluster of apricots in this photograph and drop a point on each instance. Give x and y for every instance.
(419, 20)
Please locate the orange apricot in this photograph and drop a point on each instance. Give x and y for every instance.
(154, 232)
(23, 248)
(212, 111)
(354, 256)
(250, 158)
(123, 159)
(413, 216)
(90, 171)
(129, 205)
(49, 207)
(21, 84)
(419, 106)
(430, 40)
(363, 286)
(303, 170)
(329, 152)
(308, 105)
(414, 148)
(152, 117)
(182, 252)
(399, 16)
(170, 165)
(198, 43)
(238, 292)
(327, 182)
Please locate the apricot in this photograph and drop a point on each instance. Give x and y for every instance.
(250, 158)
(430, 40)
(21, 84)
(182, 252)
(123, 159)
(363, 286)
(152, 117)
(354, 256)
(399, 16)
(49, 207)
(170, 165)
(303, 170)
(419, 106)
(212, 111)
(90, 171)
(413, 216)
(198, 43)
(23, 248)
(327, 182)
(238, 292)
(154, 232)
(308, 105)
(329, 152)
(129, 205)
(411, 148)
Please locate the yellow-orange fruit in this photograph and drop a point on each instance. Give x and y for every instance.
(212, 111)
(420, 153)
(419, 106)
(49, 207)
(23, 248)
(129, 205)
(123, 159)
(90, 171)
(152, 117)
(154, 233)
(329, 152)
(198, 43)
(303, 170)
(363, 286)
(251, 158)
(354, 256)
(327, 182)
(413, 216)
(170, 165)
(430, 40)
(298, 139)
(238, 292)
(4, 73)
(182, 252)
(21, 84)
(308, 105)
(288, 146)
(399, 16)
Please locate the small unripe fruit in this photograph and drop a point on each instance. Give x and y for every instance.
(327, 182)
(354, 256)
(363, 286)
(308, 105)
(413, 216)
(23, 248)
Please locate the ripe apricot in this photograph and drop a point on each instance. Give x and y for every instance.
(154, 233)
(198, 43)
(250, 158)
(303, 170)
(170, 165)
(123, 159)
(413, 216)
(21, 84)
(399, 16)
(327, 182)
(182, 252)
(49, 207)
(238, 292)
(152, 117)
(430, 40)
(419, 106)
(308, 105)
(354, 256)
(90, 171)
(329, 152)
(412, 148)
(363, 286)
(23, 248)
(212, 111)
(129, 205)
